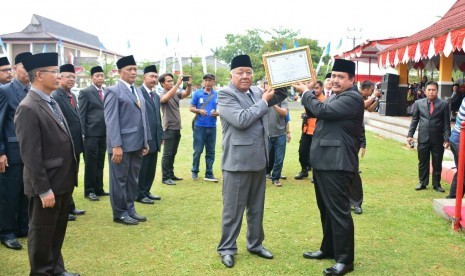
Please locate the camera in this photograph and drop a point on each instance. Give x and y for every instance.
(185, 78)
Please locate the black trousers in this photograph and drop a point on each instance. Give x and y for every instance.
(453, 187)
(94, 157)
(332, 189)
(13, 203)
(147, 174)
(356, 191)
(436, 151)
(171, 140)
(304, 151)
(47, 229)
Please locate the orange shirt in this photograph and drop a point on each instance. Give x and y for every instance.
(309, 126)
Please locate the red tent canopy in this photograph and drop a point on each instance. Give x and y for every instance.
(445, 36)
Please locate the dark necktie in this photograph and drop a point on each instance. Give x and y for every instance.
(431, 108)
(132, 90)
(327, 94)
(100, 93)
(151, 95)
(57, 112)
(250, 96)
(71, 100)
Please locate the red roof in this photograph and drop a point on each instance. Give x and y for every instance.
(444, 36)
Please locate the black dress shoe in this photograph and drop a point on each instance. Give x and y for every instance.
(153, 197)
(127, 220)
(439, 189)
(71, 217)
(317, 255)
(92, 197)
(339, 269)
(358, 210)
(175, 178)
(12, 244)
(77, 212)
(264, 253)
(228, 260)
(301, 175)
(145, 200)
(66, 273)
(168, 182)
(103, 194)
(138, 217)
(420, 187)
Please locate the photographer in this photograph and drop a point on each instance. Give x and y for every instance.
(370, 95)
(171, 120)
(308, 127)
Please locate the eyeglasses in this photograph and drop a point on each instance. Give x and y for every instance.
(56, 71)
(6, 70)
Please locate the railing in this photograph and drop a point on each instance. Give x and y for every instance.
(460, 178)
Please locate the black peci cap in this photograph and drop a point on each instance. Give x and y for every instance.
(40, 60)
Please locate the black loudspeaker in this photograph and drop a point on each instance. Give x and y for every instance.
(391, 101)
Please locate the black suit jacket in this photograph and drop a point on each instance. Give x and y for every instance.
(91, 112)
(336, 140)
(11, 95)
(46, 148)
(71, 115)
(435, 128)
(153, 119)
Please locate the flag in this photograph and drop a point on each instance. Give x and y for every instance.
(62, 50)
(339, 45)
(283, 47)
(100, 57)
(328, 49)
(44, 49)
(179, 59)
(3, 47)
(204, 58)
(296, 43)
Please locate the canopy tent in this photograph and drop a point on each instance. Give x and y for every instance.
(365, 55)
(446, 36)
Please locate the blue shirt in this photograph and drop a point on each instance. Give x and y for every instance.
(199, 97)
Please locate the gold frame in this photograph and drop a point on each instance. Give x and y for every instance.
(304, 49)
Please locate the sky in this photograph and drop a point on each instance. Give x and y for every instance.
(148, 24)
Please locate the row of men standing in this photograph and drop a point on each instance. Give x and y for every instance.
(49, 174)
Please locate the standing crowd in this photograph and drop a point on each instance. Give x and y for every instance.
(44, 129)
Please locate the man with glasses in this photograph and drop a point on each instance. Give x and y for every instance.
(6, 71)
(13, 202)
(50, 168)
(68, 105)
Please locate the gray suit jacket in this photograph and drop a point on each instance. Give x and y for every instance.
(245, 137)
(125, 119)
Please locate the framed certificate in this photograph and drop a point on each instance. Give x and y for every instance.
(288, 66)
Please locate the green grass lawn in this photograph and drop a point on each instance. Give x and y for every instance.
(398, 233)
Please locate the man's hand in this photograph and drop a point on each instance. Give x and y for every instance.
(446, 145)
(214, 113)
(145, 151)
(362, 152)
(409, 141)
(117, 155)
(268, 94)
(3, 163)
(48, 201)
(202, 112)
(377, 93)
(299, 87)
